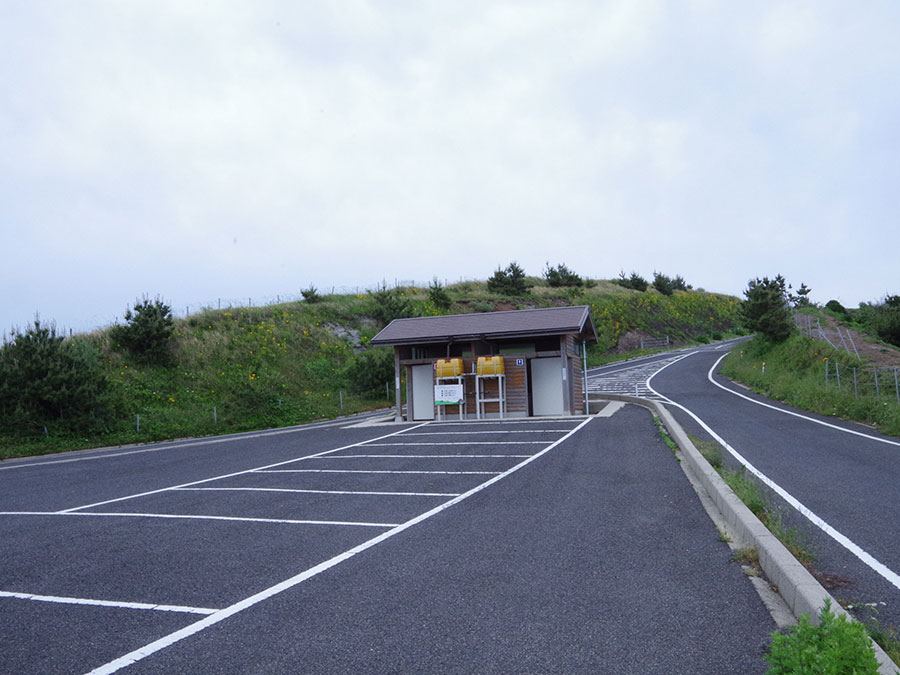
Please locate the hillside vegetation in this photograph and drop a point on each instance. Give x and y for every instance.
(246, 368)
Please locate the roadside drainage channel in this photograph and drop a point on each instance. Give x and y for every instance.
(797, 587)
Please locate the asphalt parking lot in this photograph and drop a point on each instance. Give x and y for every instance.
(552, 545)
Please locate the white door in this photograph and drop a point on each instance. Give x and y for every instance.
(423, 392)
(546, 386)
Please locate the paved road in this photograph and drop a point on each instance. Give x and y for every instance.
(571, 545)
(847, 481)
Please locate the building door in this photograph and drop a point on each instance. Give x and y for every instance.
(546, 386)
(423, 392)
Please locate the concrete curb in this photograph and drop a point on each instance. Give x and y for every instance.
(793, 582)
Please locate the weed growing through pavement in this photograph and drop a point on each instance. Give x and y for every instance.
(666, 438)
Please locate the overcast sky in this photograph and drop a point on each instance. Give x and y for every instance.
(203, 150)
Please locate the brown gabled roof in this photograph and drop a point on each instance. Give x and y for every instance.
(489, 326)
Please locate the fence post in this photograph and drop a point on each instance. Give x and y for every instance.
(826, 370)
(877, 389)
(387, 390)
(896, 385)
(341, 395)
(215, 416)
(855, 385)
(837, 370)
(138, 424)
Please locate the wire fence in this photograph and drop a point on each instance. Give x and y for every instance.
(269, 300)
(867, 381)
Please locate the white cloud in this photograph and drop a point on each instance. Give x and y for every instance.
(236, 150)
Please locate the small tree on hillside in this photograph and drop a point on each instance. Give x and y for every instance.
(510, 281)
(147, 333)
(388, 304)
(766, 310)
(635, 281)
(311, 295)
(439, 296)
(562, 276)
(47, 381)
(801, 298)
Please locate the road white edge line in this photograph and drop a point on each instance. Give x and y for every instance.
(240, 606)
(709, 376)
(107, 603)
(867, 558)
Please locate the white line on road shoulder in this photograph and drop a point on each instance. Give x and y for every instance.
(709, 376)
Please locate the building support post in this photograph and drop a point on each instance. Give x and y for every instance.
(398, 416)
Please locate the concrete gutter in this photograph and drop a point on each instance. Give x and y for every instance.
(793, 582)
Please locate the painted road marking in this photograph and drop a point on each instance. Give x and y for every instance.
(709, 376)
(867, 558)
(488, 431)
(423, 456)
(611, 409)
(321, 492)
(418, 443)
(180, 516)
(206, 622)
(231, 475)
(107, 603)
(457, 473)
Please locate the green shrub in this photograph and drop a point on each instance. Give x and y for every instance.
(836, 307)
(369, 371)
(562, 276)
(509, 281)
(834, 647)
(49, 382)
(439, 296)
(388, 304)
(311, 295)
(147, 333)
(635, 281)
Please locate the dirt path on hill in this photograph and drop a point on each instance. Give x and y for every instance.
(847, 339)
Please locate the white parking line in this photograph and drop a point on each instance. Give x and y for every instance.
(390, 445)
(180, 516)
(422, 456)
(457, 473)
(231, 475)
(206, 622)
(107, 603)
(488, 431)
(321, 492)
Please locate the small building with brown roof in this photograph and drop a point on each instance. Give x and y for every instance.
(518, 363)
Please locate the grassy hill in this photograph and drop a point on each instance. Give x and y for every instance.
(245, 368)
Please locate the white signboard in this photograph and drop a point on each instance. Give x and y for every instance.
(448, 394)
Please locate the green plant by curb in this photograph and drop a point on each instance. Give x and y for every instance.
(834, 647)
